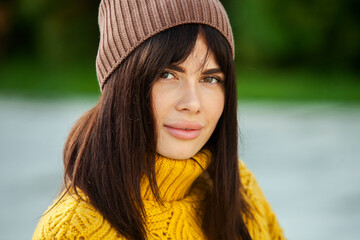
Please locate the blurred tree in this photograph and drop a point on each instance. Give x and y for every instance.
(52, 30)
(226, 3)
(6, 22)
(278, 33)
(291, 33)
(69, 32)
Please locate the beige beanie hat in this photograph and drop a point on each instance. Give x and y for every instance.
(125, 24)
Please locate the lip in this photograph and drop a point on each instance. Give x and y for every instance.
(184, 130)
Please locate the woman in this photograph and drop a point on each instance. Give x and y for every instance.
(156, 158)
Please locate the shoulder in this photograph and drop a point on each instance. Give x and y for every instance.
(249, 181)
(264, 217)
(252, 190)
(72, 217)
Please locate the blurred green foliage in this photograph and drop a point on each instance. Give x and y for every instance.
(284, 49)
(319, 33)
(56, 31)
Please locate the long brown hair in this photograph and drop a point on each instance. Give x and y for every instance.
(114, 144)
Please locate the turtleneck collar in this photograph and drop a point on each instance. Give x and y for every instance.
(175, 177)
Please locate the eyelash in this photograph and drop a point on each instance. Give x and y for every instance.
(216, 78)
(219, 80)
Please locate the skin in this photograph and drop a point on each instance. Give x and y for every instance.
(188, 100)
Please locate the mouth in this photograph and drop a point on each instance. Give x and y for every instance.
(184, 131)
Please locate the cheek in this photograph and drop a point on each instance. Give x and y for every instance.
(215, 107)
(160, 101)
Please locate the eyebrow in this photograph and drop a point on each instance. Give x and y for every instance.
(208, 71)
(176, 68)
(213, 70)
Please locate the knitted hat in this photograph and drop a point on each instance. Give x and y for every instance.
(125, 24)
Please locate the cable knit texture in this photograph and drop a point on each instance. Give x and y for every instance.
(182, 185)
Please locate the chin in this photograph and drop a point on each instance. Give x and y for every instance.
(179, 153)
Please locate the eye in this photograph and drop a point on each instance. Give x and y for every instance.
(211, 80)
(167, 75)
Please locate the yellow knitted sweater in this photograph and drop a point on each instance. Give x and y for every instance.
(181, 185)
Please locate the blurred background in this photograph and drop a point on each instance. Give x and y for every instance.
(299, 106)
(298, 50)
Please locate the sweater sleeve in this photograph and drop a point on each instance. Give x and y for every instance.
(264, 224)
(73, 218)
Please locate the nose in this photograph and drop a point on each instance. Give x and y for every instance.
(189, 99)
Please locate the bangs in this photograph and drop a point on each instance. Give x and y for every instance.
(174, 45)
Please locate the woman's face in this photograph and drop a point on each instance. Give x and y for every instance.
(188, 100)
